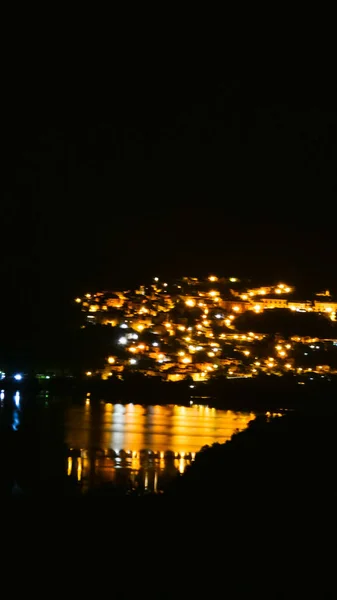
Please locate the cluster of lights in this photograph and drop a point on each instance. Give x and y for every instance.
(201, 335)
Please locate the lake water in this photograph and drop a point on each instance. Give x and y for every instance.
(126, 448)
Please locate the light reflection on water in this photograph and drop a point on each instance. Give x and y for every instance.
(131, 447)
(16, 412)
(141, 447)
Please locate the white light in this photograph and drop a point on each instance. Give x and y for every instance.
(18, 377)
(122, 340)
(191, 386)
(132, 336)
(155, 344)
(133, 361)
(156, 278)
(191, 401)
(218, 316)
(123, 326)
(165, 284)
(17, 398)
(47, 376)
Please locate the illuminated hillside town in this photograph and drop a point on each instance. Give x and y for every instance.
(197, 329)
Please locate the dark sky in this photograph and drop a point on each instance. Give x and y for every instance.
(113, 178)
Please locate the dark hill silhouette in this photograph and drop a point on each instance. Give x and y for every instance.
(287, 323)
(278, 463)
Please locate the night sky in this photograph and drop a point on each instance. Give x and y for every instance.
(114, 179)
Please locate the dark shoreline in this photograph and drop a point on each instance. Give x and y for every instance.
(259, 395)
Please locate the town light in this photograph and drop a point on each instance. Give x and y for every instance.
(190, 302)
(111, 360)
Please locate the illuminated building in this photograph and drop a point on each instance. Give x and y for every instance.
(274, 302)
